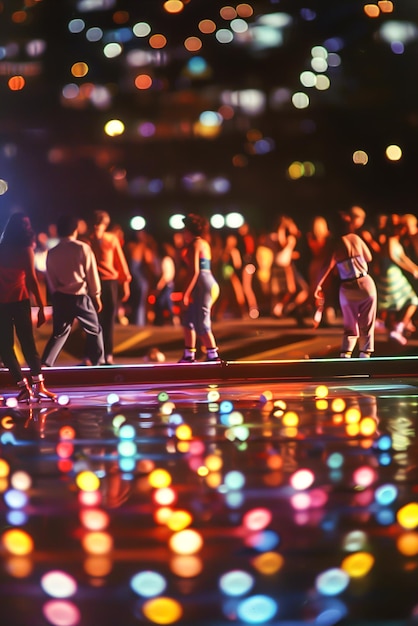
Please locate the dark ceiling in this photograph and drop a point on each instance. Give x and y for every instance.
(55, 155)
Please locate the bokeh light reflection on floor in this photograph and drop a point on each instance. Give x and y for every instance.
(211, 505)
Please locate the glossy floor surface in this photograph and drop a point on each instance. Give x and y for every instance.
(211, 503)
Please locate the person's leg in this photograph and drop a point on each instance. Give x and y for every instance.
(208, 295)
(367, 319)
(108, 313)
(349, 310)
(87, 316)
(7, 350)
(24, 333)
(62, 319)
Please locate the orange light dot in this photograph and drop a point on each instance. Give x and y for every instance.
(245, 10)
(18, 17)
(4, 468)
(17, 542)
(207, 26)
(16, 83)
(157, 41)
(192, 44)
(173, 6)
(143, 81)
(120, 17)
(79, 69)
(97, 543)
(371, 10)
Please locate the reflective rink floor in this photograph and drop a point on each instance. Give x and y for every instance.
(211, 503)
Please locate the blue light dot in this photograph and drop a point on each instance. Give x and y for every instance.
(226, 406)
(148, 584)
(264, 541)
(332, 582)
(112, 398)
(16, 518)
(127, 431)
(385, 517)
(15, 499)
(384, 442)
(236, 583)
(257, 609)
(234, 480)
(335, 460)
(385, 459)
(127, 464)
(386, 494)
(127, 448)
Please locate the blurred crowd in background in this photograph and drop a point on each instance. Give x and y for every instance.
(273, 273)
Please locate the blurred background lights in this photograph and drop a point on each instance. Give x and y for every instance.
(148, 584)
(257, 609)
(358, 565)
(257, 519)
(112, 398)
(332, 582)
(17, 541)
(138, 222)
(300, 100)
(268, 563)
(360, 157)
(234, 480)
(236, 583)
(87, 481)
(217, 221)
(186, 541)
(61, 613)
(58, 584)
(263, 541)
(397, 30)
(354, 541)
(301, 479)
(114, 128)
(234, 220)
(76, 26)
(112, 50)
(162, 610)
(407, 516)
(393, 153)
(15, 499)
(159, 478)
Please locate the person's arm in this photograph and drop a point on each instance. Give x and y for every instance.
(33, 285)
(121, 265)
(94, 286)
(398, 256)
(195, 275)
(318, 294)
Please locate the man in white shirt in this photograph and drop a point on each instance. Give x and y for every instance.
(74, 284)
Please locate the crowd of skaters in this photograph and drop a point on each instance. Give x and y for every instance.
(272, 273)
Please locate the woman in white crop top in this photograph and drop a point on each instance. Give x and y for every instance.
(357, 294)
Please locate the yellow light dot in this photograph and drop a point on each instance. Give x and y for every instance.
(202, 471)
(87, 481)
(352, 430)
(162, 515)
(268, 563)
(290, 419)
(162, 610)
(368, 426)
(186, 542)
(184, 432)
(179, 520)
(4, 468)
(352, 415)
(159, 478)
(407, 516)
(214, 462)
(321, 404)
(113, 128)
(358, 565)
(338, 405)
(394, 153)
(17, 542)
(321, 391)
